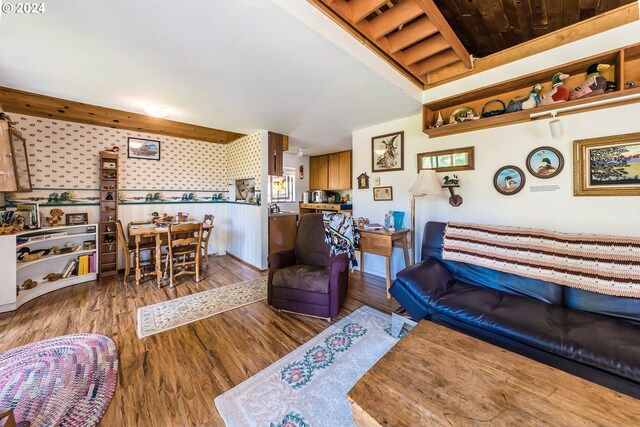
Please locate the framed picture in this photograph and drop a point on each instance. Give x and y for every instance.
(20, 162)
(387, 152)
(545, 162)
(363, 181)
(76, 218)
(457, 159)
(608, 166)
(143, 149)
(382, 194)
(509, 180)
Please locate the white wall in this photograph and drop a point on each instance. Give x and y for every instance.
(494, 148)
(302, 185)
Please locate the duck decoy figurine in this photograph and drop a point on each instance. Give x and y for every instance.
(528, 102)
(558, 93)
(594, 85)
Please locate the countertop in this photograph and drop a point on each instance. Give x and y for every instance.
(283, 213)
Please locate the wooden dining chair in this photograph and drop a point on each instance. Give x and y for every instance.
(129, 248)
(185, 247)
(208, 220)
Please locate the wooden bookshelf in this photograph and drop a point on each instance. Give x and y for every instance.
(108, 237)
(625, 66)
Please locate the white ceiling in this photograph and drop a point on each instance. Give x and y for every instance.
(237, 65)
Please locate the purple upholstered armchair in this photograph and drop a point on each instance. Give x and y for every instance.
(306, 279)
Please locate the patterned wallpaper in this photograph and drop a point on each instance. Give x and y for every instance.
(65, 155)
(243, 158)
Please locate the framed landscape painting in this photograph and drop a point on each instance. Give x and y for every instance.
(387, 152)
(143, 149)
(607, 166)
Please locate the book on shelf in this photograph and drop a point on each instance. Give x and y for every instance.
(68, 268)
(373, 226)
(23, 240)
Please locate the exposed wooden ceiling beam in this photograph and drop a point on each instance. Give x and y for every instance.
(360, 9)
(440, 60)
(401, 13)
(589, 27)
(425, 49)
(32, 104)
(418, 30)
(445, 29)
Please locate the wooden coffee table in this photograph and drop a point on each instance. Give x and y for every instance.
(437, 376)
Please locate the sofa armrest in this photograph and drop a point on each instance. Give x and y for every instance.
(421, 284)
(339, 263)
(338, 282)
(281, 259)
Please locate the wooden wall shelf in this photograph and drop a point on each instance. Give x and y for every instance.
(625, 66)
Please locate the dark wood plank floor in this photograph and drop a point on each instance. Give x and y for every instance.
(171, 378)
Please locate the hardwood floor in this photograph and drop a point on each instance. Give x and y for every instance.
(171, 378)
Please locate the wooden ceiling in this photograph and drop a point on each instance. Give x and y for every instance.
(19, 102)
(487, 27)
(411, 34)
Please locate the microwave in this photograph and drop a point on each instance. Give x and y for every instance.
(318, 196)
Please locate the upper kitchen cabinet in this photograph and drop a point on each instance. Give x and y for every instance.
(14, 166)
(340, 171)
(276, 141)
(330, 171)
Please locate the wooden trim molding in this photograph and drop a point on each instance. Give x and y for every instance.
(32, 104)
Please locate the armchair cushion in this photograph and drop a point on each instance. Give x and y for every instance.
(303, 277)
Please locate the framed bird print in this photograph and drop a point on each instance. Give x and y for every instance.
(545, 162)
(509, 180)
(387, 152)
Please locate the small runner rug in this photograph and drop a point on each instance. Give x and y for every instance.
(309, 386)
(64, 381)
(180, 311)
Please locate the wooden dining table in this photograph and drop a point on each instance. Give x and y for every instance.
(140, 231)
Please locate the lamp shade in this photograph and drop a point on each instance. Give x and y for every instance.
(427, 184)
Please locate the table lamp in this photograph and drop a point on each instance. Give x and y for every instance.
(427, 184)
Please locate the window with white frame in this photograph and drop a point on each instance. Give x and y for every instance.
(283, 188)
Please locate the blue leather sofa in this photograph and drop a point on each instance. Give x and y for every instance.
(591, 335)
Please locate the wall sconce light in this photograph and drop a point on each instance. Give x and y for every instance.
(555, 126)
(300, 152)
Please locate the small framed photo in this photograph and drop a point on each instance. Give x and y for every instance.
(607, 166)
(143, 149)
(387, 152)
(509, 180)
(545, 162)
(382, 194)
(76, 218)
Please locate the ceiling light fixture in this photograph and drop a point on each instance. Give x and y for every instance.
(155, 110)
(300, 152)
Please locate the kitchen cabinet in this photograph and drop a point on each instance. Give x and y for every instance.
(282, 231)
(330, 171)
(340, 171)
(275, 149)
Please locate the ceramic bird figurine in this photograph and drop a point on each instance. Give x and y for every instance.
(594, 85)
(559, 91)
(532, 99)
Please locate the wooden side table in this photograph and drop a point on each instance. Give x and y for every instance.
(382, 242)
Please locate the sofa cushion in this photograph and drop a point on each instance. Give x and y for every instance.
(310, 246)
(607, 343)
(623, 307)
(303, 277)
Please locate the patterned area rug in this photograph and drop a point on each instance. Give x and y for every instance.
(67, 381)
(309, 386)
(180, 311)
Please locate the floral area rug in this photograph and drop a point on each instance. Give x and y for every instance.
(309, 386)
(64, 381)
(180, 311)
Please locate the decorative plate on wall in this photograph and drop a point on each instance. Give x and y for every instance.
(509, 180)
(545, 162)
